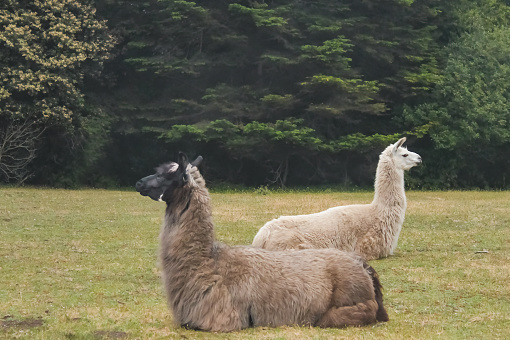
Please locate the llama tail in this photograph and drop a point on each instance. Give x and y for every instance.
(381, 314)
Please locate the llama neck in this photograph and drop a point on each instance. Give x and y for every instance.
(389, 185)
(188, 233)
(187, 249)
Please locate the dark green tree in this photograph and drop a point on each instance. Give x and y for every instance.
(469, 107)
(330, 71)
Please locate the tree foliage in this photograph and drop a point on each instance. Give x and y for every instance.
(470, 103)
(290, 92)
(329, 71)
(47, 49)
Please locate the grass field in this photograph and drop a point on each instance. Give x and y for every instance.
(82, 264)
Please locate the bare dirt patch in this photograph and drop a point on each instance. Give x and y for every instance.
(21, 324)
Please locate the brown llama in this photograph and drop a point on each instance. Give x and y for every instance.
(214, 287)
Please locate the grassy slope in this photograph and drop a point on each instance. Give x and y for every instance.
(83, 263)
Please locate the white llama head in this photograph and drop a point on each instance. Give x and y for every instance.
(403, 158)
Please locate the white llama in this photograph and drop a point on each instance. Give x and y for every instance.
(369, 229)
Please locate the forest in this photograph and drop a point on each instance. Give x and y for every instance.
(283, 93)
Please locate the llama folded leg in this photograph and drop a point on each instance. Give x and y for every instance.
(212, 310)
(359, 314)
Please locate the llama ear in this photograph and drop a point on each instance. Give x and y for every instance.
(182, 161)
(398, 144)
(197, 161)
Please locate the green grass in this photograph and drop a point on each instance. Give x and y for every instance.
(83, 264)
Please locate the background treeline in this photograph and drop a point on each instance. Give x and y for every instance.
(284, 92)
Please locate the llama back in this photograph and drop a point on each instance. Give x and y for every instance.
(299, 284)
(337, 227)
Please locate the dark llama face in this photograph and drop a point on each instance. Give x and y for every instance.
(167, 177)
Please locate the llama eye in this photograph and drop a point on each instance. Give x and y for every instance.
(405, 155)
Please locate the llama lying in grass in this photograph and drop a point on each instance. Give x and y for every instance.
(369, 229)
(214, 287)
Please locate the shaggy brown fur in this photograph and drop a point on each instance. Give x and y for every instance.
(214, 287)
